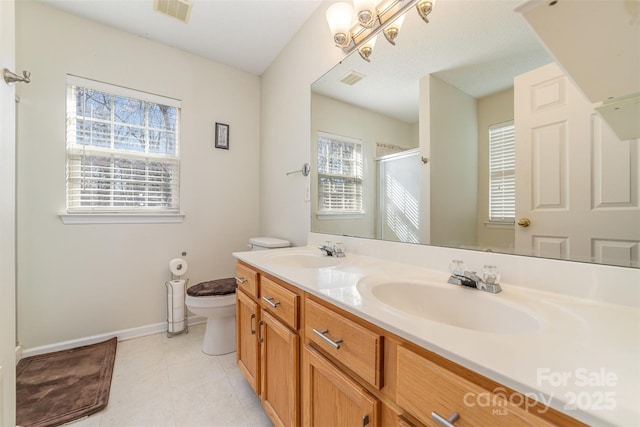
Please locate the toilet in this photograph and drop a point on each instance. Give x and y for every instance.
(216, 300)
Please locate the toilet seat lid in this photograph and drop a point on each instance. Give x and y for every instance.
(269, 242)
(217, 287)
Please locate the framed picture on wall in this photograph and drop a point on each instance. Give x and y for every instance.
(222, 136)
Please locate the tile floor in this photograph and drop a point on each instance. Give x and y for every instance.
(160, 381)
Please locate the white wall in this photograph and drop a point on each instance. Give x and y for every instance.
(285, 128)
(453, 138)
(80, 280)
(333, 116)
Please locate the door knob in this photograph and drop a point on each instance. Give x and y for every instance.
(524, 222)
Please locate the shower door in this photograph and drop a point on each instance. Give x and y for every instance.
(399, 196)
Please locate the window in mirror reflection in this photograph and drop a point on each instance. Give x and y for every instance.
(502, 173)
(340, 170)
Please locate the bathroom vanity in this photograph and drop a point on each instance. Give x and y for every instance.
(324, 341)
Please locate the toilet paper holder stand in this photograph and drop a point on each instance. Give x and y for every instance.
(171, 330)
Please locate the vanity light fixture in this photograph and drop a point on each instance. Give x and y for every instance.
(356, 27)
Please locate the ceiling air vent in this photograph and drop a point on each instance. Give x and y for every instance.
(179, 9)
(352, 77)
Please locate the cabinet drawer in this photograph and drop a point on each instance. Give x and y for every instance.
(247, 279)
(280, 301)
(355, 346)
(424, 387)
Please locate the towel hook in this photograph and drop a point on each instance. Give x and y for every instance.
(304, 171)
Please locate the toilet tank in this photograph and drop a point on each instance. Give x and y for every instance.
(261, 243)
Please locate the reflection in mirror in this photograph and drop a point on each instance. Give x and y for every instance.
(440, 164)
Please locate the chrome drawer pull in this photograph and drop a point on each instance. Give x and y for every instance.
(240, 280)
(445, 422)
(271, 302)
(334, 343)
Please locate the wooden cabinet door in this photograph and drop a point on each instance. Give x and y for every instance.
(331, 398)
(247, 317)
(280, 371)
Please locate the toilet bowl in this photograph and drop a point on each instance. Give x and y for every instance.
(215, 300)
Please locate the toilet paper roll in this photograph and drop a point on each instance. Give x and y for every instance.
(175, 305)
(175, 294)
(178, 314)
(178, 266)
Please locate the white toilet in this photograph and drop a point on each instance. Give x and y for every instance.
(216, 300)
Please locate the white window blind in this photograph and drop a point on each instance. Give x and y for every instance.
(502, 167)
(122, 150)
(339, 175)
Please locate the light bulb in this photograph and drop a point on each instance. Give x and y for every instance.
(392, 30)
(340, 17)
(366, 50)
(424, 8)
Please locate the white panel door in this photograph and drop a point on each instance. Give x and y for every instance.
(576, 182)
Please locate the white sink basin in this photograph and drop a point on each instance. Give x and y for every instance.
(302, 260)
(453, 305)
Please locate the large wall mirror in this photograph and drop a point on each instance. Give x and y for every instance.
(414, 146)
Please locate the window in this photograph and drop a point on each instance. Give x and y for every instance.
(122, 150)
(339, 175)
(502, 167)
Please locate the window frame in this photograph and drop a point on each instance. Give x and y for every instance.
(74, 213)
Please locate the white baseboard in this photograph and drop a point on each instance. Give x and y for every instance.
(123, 335)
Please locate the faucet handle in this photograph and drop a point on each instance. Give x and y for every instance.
(338, 249)
(457, 267)
(490, 274)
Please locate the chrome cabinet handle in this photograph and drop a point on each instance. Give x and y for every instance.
(445, 422)
(240, 280)
(334, 343)
(365, 420)
(253, 331)
(260, 339)
(271, 302)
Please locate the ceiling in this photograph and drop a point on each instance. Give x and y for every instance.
(245, 34)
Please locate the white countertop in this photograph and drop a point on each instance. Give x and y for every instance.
(583, 360)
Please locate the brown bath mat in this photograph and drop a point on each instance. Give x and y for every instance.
(55, 388)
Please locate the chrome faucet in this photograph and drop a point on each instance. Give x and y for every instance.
(472, 280)
(336, 250)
